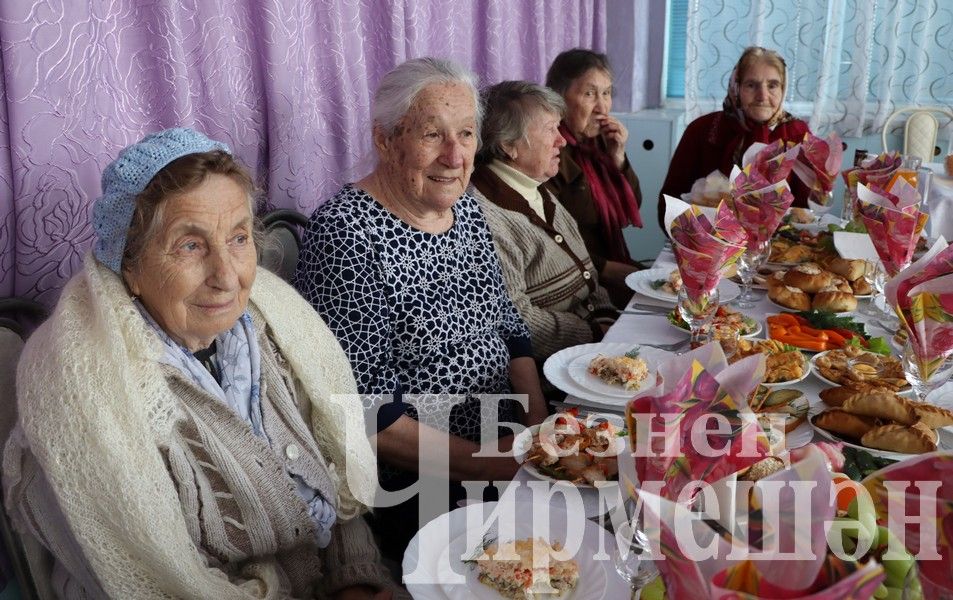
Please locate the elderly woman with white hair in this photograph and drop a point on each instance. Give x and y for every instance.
(548, 271)
(402, 267)
(183, 425)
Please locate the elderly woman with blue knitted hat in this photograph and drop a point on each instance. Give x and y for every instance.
(183, 427)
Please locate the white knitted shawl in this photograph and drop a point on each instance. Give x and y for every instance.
(95, 408)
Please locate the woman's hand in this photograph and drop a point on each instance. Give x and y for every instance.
(363, 592)
(615, 134)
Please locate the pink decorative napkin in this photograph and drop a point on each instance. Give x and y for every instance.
(922, 296)
(876, 170)
(893, 219)
(936, 572)
(759, 204)
(693, 386)
(704, 249)
(773, 161)
(784, 556)
(819, 161)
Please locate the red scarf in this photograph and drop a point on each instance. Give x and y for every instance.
(610, 190)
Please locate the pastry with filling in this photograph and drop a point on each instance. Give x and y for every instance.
(841, 422)
(897, 438)
(789, 297)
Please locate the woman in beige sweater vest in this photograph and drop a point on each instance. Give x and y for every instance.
(548, 272)
(184, 429)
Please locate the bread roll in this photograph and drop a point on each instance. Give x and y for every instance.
(834, 300)
(789, 297)
(932, 416)
(847, 268)
(841, 422)
(861, 287)
(897, 438)
(882, 404)
(808, 277)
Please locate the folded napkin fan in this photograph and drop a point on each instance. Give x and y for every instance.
(819, 161)
(893, 219)
(785, 555)
(922, 296)
(759, 205)
(704, 249)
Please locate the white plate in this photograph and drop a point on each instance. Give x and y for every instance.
(758, 328)
(556, 370)
(524, 441)
(904, 392)
(786, 309)
(641, 282)
(807, 371)
(800, 436)
(578, 370)
(597, 578)
(944, 437)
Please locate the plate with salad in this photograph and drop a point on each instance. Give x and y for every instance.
(725, 318)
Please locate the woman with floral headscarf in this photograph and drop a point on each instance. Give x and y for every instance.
(752, 112)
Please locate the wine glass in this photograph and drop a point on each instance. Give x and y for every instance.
(633, 554)
(874, 276)
(750, 261)
(924, 377)
(698, 313)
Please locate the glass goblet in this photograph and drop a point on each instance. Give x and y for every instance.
(633, 554)
(923, 376)
(750, 261)
(874, 276)
(698, 313)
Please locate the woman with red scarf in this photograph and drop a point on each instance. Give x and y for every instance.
(595, 181)
(752, 112)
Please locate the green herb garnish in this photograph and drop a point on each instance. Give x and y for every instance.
(658, 283)
(481, 549)
(878, 345)
(634, 352)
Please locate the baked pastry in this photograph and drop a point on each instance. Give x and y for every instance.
(841, 422)
(882, 404)
(931, 433)
(762, 468)
(897, 438)
(789, 297)
(808, 277)
(839, 283)
(850, 269)
(834, 300)
(861, 287)
(932, 416)
(836, 396)
(801, 215)
(795, 254)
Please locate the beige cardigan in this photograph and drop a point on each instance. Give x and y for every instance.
(112, 433)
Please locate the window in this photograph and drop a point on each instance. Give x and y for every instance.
(677, 19)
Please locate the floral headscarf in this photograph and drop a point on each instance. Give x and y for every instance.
(732, 104)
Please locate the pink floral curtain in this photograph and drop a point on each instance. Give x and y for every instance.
(286, 83)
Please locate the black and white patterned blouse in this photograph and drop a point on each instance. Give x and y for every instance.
(416, 312)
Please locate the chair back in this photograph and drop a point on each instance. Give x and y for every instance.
(919, 132)
(282, 242)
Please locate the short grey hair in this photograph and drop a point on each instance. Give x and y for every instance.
(401, 86)
(510, 106)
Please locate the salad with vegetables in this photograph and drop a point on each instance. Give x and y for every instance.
(818, 330)
(725, 318)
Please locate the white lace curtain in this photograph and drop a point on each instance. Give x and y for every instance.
(850, 62)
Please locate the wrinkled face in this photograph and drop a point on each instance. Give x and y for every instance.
(195, 275)
(537, 153)
(588, 98)
(429, 157)
(761, 92)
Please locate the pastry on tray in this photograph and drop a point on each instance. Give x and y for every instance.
(808, 277)
(789, 297)
(834, 300)
(897, 438)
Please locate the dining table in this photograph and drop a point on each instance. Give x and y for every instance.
(643, 324)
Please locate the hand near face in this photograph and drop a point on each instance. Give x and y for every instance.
(615, 135)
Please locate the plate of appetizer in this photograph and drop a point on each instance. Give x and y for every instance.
(580, 454)
(557, 371)
(784, 364)
(725, 319)
(885, 424)
(853, 365)
(817, 331)
(499, 563)
(663, 284)
(611, 375)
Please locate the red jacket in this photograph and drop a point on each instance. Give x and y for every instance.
(716, 141)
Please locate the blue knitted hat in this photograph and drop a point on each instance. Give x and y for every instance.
(126, 177)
